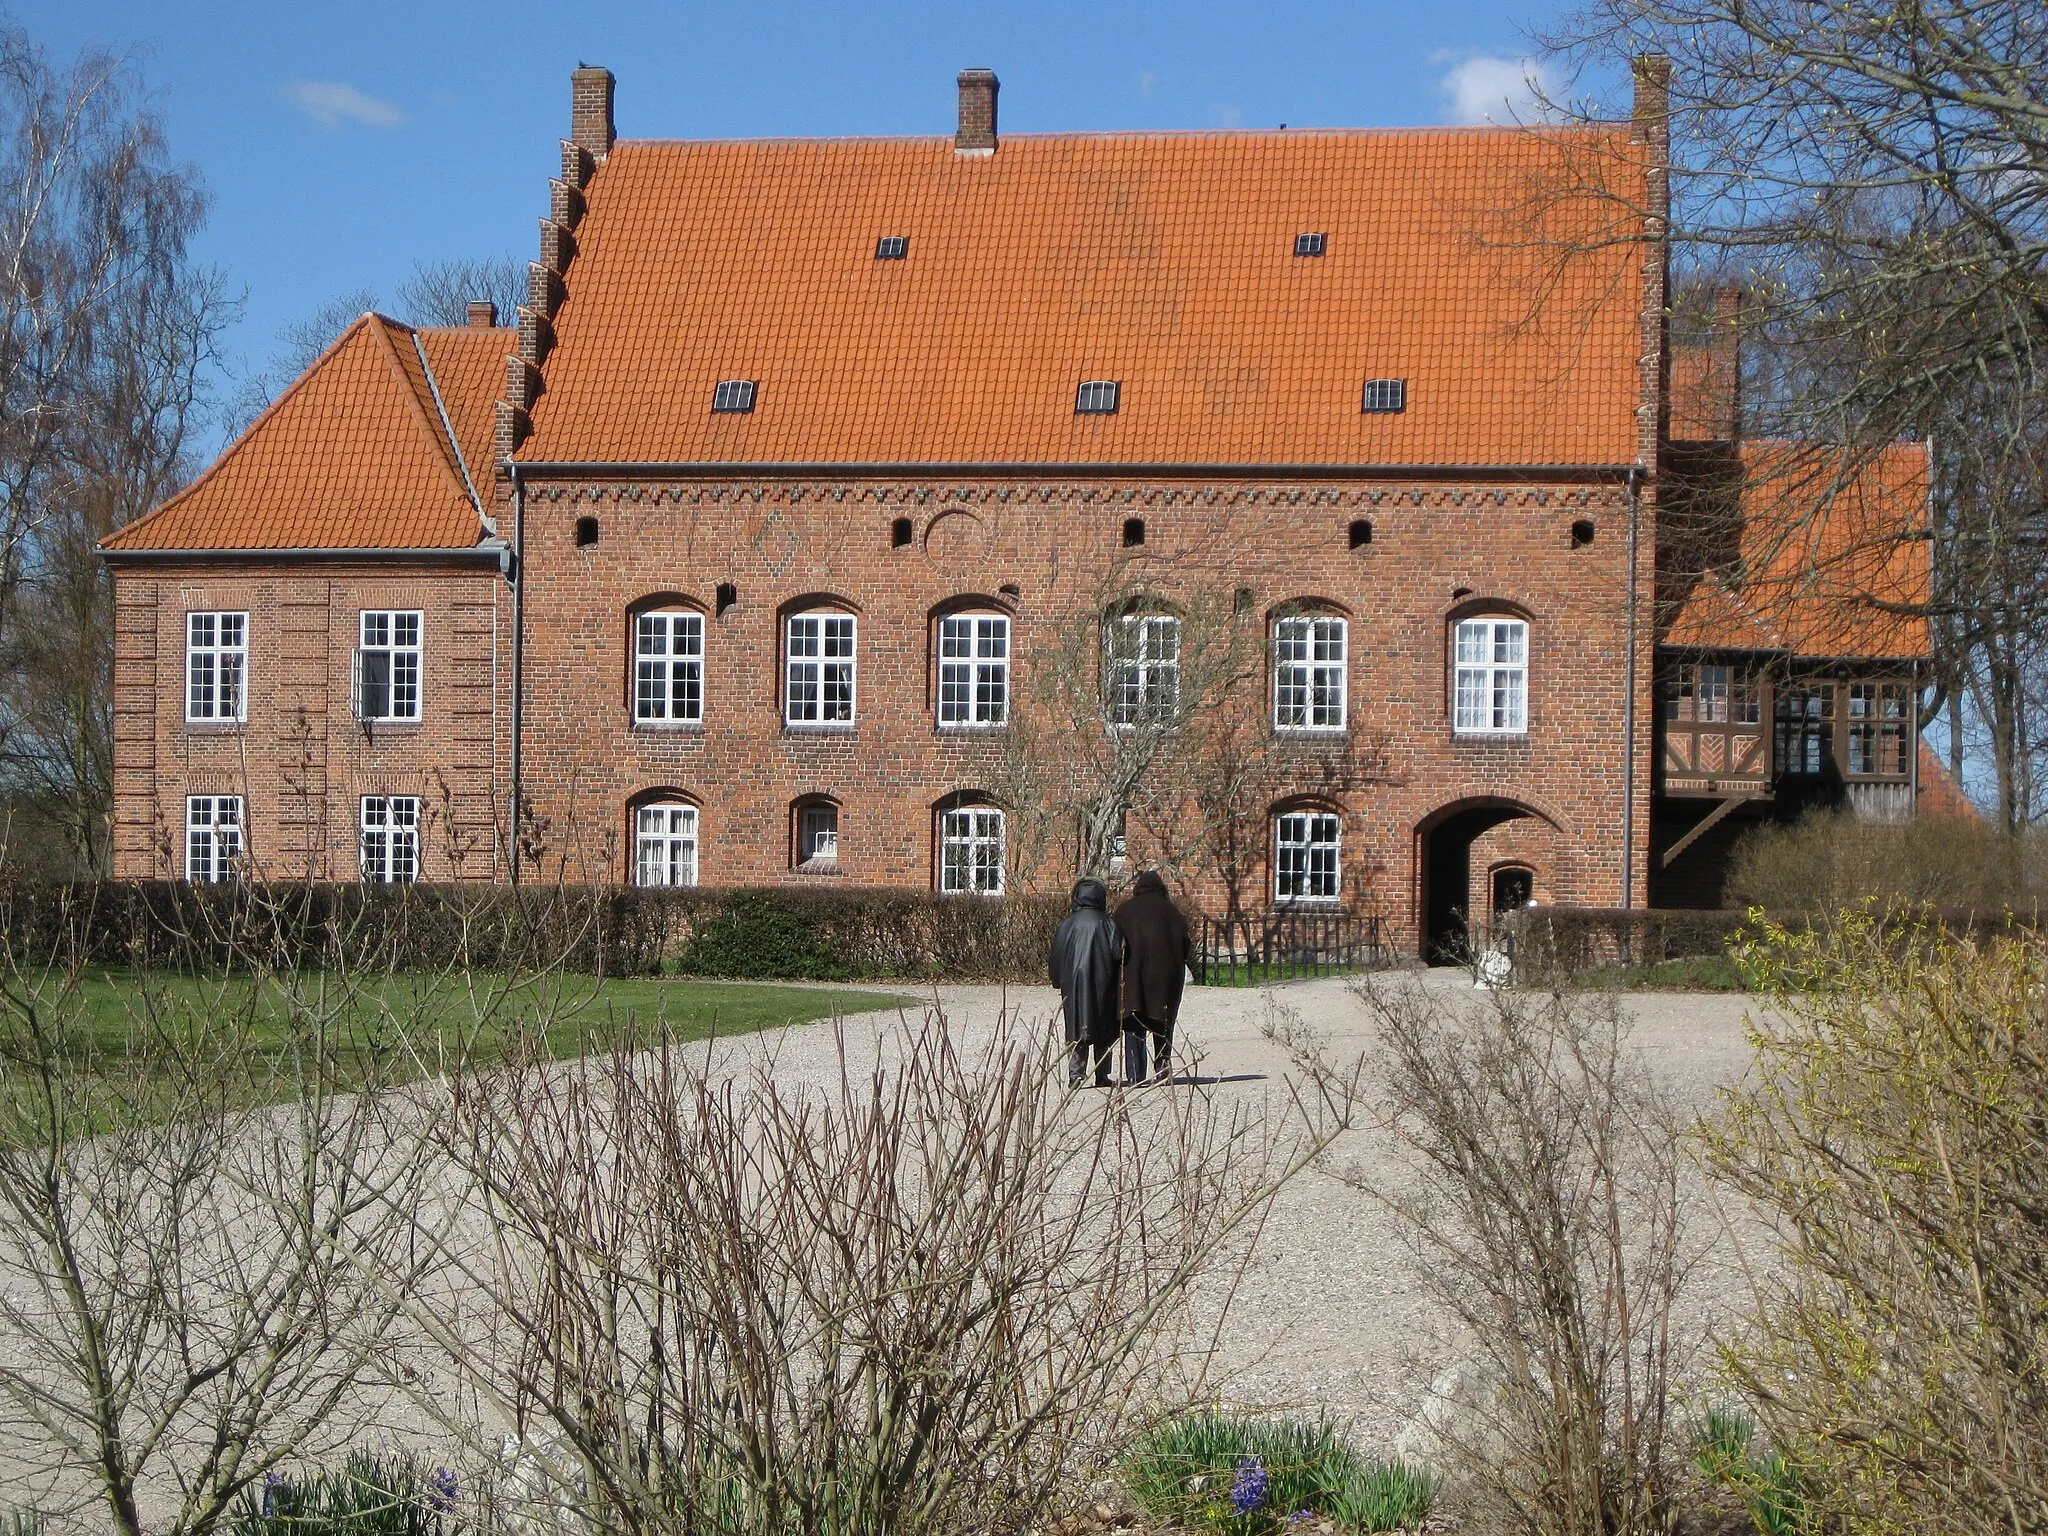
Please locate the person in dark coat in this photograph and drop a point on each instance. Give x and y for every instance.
(1158, 938)
(1087, 963)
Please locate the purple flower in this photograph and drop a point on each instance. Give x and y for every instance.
(441, 1487)
(277, 1494)
(1248, 1486)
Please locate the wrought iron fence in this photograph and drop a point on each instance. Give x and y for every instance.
(1284, 943)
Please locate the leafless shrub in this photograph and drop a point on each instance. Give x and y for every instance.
(1826, 862)
(1547, 1208)
(916, 1298)
(1893, 1135)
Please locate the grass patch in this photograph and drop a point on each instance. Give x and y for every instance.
(1693, 973)
(1776, 1490)
(1241, 1475)
(379, 1020)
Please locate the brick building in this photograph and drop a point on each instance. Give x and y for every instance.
(755, 552)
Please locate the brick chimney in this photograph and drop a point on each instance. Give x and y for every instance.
(590, 110)
(483, 314)
(977, 133)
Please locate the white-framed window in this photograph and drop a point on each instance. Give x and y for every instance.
(388, 665)
(817, 836)
(665, 844)
(974, 670)
(668, 667)
(820, 659)
(391, 839)
(1309, 673)
(213, 837)
(1144, 669)
(216, 666)
(971, 851)
(1307, 856)
(1490, 696)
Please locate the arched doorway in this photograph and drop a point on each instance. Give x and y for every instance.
(1443, 857)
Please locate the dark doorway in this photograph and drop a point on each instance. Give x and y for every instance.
(1446, 859)
(1513, 885)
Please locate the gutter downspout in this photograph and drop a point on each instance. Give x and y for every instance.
(516, 574)
(1628, 702)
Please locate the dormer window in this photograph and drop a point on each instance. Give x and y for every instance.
(1308, 245)
(733, 395)
(1385, 396)
(1097, 397)
(892, 247)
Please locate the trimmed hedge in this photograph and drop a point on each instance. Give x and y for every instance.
(1553, 943)
(842, 934)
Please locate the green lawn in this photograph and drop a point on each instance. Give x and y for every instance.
(426, 1014)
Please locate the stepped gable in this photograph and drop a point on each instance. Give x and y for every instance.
(1823, 559)
(353, 455)
(1497, 270)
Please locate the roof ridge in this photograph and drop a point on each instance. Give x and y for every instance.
(444, 446)
(1324, 131)
(246, 435)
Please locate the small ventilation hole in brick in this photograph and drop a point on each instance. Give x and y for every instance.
(1582, 533)
(1134, 532)
(728, 594)
(1361, 533)
(586, 532)
(899, 533)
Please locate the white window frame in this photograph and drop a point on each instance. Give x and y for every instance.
(974, 671)
(821, 651)
(1308, 857)
(1490, 676)
(390, 839)
(213, 837)
(217, 667)
(1098, 397)
(1144, 669)
(973, 851)
(817, 845)
(381, 632)
(1311, 672)
(665, 843)
(668, 667)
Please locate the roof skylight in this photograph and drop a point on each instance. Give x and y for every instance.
(1097, 397)
(1308, 245)
(1383, 396)
(733, 395)
(892, 247)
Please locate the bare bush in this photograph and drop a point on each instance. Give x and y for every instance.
(1894, 1136)
(1547, 1209)
(1827, 861)
(918, 1298)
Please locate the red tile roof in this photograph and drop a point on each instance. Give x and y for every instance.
(353, 455)
(1163, 261)
(1831, 560)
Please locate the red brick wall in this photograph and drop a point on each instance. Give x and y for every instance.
(1435, 548)
(301, 761)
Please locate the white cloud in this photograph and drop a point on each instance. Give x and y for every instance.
(1147, 82)
(1487, 89)
(1228, 116)
(331, 103)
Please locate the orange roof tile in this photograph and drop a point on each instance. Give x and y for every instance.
(1164, 261)
(1940, 794)
(1832, 559)
(353, 455)
(469, 367)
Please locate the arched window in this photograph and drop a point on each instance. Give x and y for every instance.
(664, 842)
(1311, 672)
(818, 660)
(668, 666)
(1308, 850)
(815, 831)
(1141, 650)
(1490, 675)
(974, 671)
(972, 848)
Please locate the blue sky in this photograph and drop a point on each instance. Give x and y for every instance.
(341, 143)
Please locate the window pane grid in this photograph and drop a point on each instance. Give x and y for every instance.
(1144, 662)
(820, 675)
(1307, 863)
(1309, 674)
(216, 661)
(668, 668)
(388, 666)
(1490, 690)
(665, 845)
(213, 837)
(971, 851)
(390, 839)
(974, 670)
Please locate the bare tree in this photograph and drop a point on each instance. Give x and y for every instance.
(440, 292)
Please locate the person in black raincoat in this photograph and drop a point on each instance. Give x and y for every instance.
(1087, 962)
(1157, 936)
